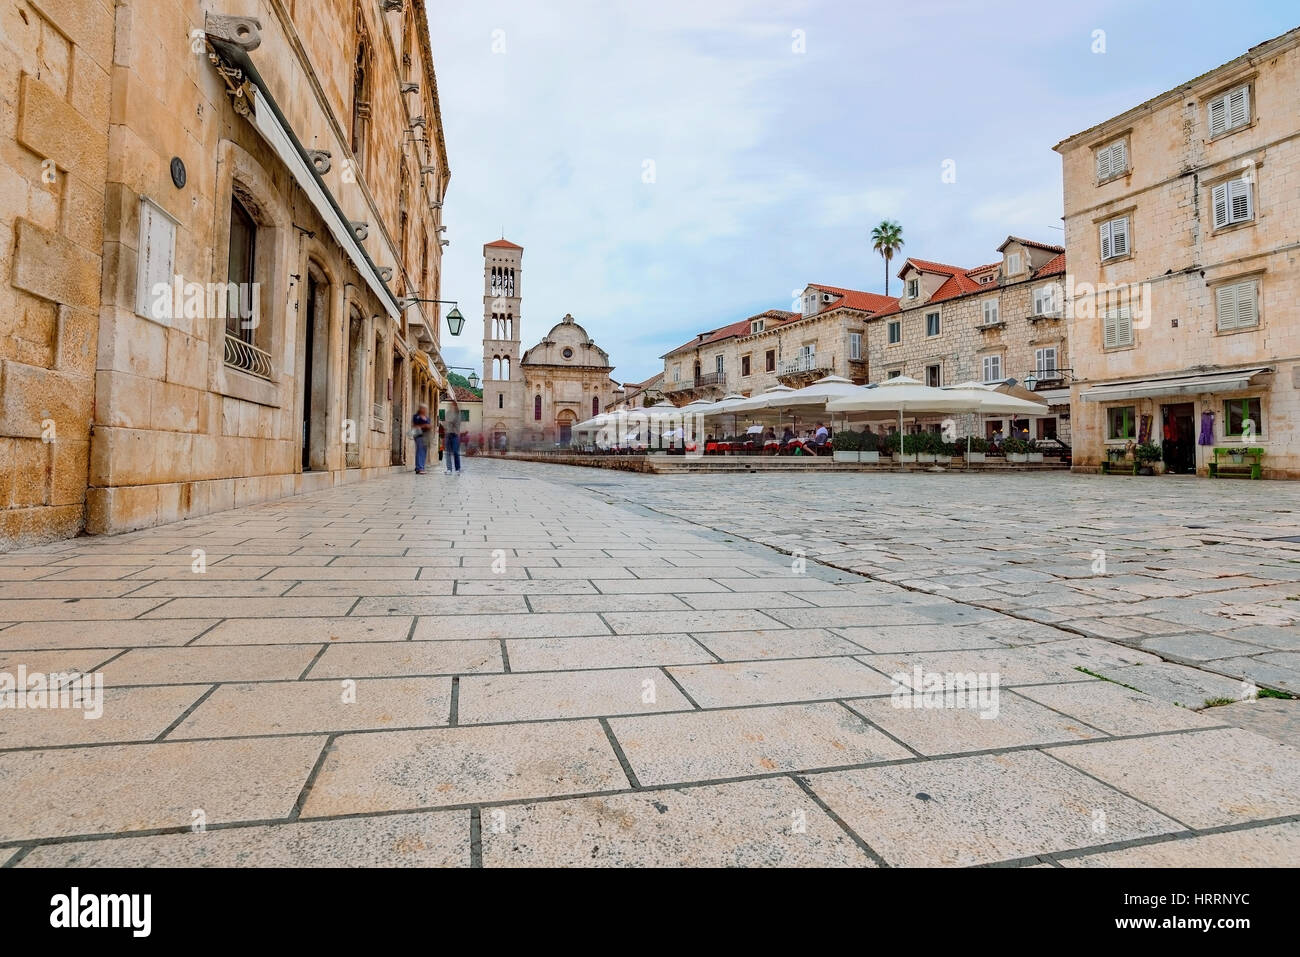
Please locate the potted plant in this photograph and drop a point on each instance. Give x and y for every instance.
(846, 445)
(868, 447)
(1237, 455)
(976, 449)
(894, 446)
(925, 445)
(1034, 453)
(1016, 450)
(1146, 455)
(944, 451)
(1117, 459)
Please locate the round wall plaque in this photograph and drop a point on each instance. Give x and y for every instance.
(178, 172)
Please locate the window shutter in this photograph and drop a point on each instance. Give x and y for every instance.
(1105, 241)
(1219, 200)
(1118, 329)
(1218, 115)
(1226, 306)
(1119, 158)
(1239, 201)
(1119, 236)
(1103, 163)
(1238, 107)
(1246, 314)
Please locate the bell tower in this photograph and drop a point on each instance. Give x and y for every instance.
(503, 380)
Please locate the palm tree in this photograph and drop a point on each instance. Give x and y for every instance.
(887, 239)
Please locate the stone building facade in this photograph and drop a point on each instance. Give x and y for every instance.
(533, 399)
(249, 216)
(467, 406)
(53, 169)
(995, 322)
(826, 335)
(1183, 226)
(638, 395)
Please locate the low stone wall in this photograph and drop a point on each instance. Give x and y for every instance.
(678, 464)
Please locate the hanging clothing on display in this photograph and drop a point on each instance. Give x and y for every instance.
(1144, 429)
(1207, 428)
(1171, 429)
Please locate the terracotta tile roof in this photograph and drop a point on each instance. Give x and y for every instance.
(502, 243)
(1053, 267)
(855, 299)
(926, 265)
(956, 285)
(462, 394)
(1033, 243)
(740, 328)
(631, 387)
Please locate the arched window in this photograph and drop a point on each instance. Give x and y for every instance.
(496, 367)
(595, 406)
(537, 408)
(360, 101)
(505, 368)
(240, 272)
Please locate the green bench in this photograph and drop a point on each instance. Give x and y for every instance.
(1240, 463)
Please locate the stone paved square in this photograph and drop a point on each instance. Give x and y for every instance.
(651, 680)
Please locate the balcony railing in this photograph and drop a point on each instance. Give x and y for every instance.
(805, 362)
(710, 378)
(247, 357)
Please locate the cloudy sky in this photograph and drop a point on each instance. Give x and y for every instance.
(674, 166)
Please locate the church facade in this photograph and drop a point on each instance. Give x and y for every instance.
(534, 398)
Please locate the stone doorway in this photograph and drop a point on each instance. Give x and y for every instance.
(399, 413)
(1178, 437)
(314, 372)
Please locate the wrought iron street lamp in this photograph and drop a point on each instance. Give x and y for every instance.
(455, 321)
(472, 378)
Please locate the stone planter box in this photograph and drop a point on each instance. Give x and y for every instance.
(847, 456)
(900, 457)
(869, 458)
(975, 457)
(943, 459)
(1017, 457)
(925, 456)
(1035, 456)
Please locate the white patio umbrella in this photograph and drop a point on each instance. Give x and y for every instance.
(762, 401)
(812, 397)
(993, 402)
(902, 394)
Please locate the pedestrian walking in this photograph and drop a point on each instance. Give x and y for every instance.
(452, 426)
(420, 427)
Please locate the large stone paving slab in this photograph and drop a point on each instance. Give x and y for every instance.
(406, 770)
(704, 745)
(200, 664)
(1202, 778)
(117, 788)
(767, 823)
(773, 682)
(979, 810)
(431, 839)
(566, 694)
(1007, 721)
(1269, 846)
(300, 707)
(122, 714)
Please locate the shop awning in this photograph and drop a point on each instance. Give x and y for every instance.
(1182, 384)
(270, 123)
